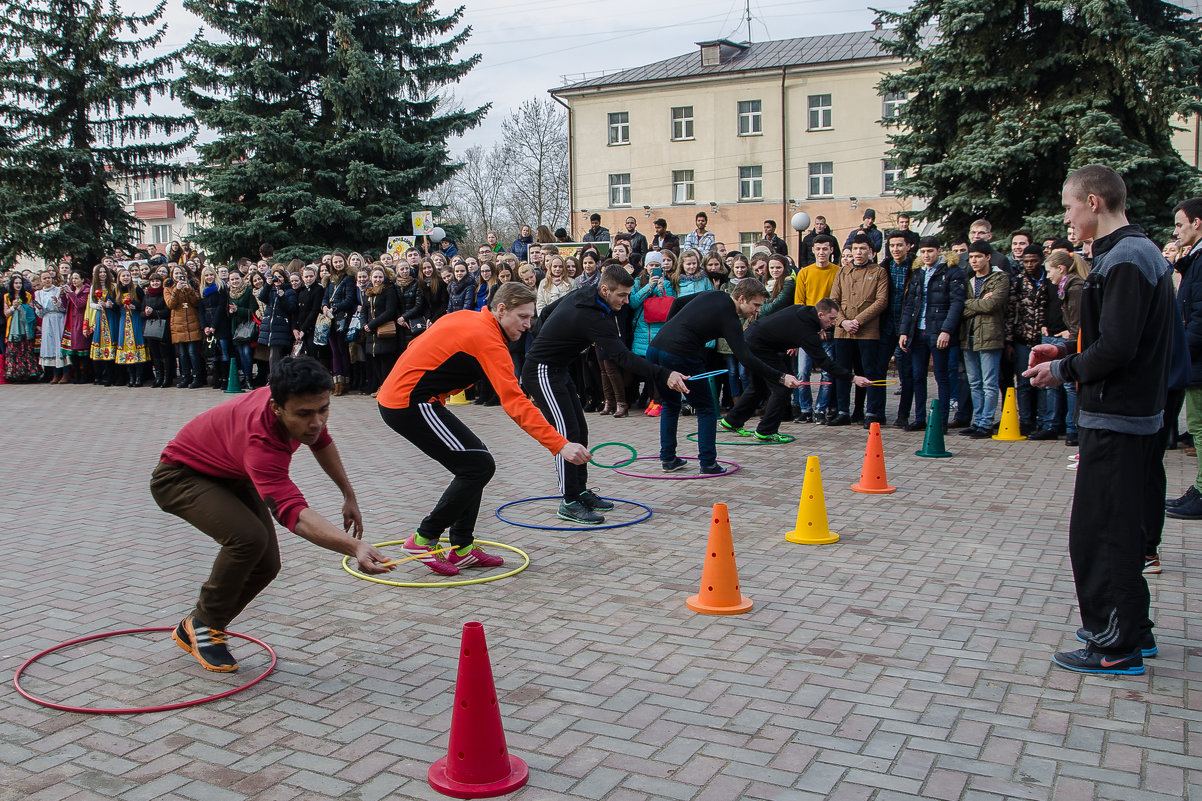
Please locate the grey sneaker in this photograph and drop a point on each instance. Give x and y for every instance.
(594, 501)
(577, 512)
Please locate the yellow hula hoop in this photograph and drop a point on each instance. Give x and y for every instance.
(346, 565)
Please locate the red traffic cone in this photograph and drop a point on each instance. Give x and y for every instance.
(477, 764)
(719, 593)
(872, 474)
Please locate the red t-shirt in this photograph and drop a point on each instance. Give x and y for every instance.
(242, 438)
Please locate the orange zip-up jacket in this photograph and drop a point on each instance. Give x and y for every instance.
(452, 355)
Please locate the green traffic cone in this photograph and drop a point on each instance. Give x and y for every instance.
(932, 443)
(232, 385)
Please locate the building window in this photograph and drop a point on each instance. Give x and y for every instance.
(192, 228)
(161, 234)
(892, 104)
(751, 183)
(820, 113)
(682, 123)
(747, 241)
(619, 189)
(750, 120)
(682, 186)
(619, 128)
(822, 179)
(890, 174)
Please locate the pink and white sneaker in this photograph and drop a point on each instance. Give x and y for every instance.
(476, 557)
(435, 561)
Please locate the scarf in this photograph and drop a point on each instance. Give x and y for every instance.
(235, 294)
(210, 289)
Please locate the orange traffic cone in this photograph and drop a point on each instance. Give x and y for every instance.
(872, 474)
(477, 764)
(719, 594)
(1009, 430)
(812, 527)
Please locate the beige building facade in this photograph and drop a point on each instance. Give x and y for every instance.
(744, 133)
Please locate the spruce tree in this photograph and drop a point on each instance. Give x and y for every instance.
(1005, 98)
(326, 120)
(74, 98)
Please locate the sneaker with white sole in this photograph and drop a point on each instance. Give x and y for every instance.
(739, 432)
(206, 644)
(1152, 564)
(476, 557)
(577, 512)
(435, 561)
(1087, 660)
(775, 438)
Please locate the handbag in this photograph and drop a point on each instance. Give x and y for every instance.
(155, 328)
(386, 330)
(655, 310)
(353, 328)
(321, 329)
(247, 331)
(417, 326)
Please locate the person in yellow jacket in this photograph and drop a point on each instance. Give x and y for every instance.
(862, 291)
(813, 283)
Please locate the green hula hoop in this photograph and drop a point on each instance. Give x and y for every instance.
(346, 565)
(748, 441)
(633, 455)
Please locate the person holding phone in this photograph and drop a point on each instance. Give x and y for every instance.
(650, 300)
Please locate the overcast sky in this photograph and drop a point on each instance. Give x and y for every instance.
(527, 46)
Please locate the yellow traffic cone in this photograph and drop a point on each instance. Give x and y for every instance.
(1009, 430)
(812, 527)
(458, 399)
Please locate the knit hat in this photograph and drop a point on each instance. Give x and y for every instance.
(653, 258)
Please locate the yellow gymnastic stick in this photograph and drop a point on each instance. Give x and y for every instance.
(392, 562)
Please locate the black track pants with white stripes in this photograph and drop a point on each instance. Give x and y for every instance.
(556, 397)
(444, 438)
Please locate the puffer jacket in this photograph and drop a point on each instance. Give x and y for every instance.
(644, 331)
(184, 302)
(863, 294)
(410, 303)
(984, 323)
(462, 294)
(944, 300)
(215, 313)
(276, 328)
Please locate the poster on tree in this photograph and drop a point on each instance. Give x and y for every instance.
(423, 223)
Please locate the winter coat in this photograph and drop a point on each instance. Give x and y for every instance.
(863, 294)
(157, 304)
(1189, 303)
(521, 247)
(461, 294)
(1026, 311)
(546, 295)
(214, 312)
(245, 307)
(410, 303)
(379, 307)
(184, 302)
(944, 301)
(483, 293)
(308, 306)
(983, 326)
(807, 248)
(644, 331)
(436, 302)
(782, 300)
(342, 297)
(276, 327)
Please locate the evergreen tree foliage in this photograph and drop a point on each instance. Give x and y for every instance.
(326, 120)
(1006, 97)
(74, 89)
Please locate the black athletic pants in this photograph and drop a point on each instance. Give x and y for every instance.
(778, 400)
(1106, 534)
(444, 438)
(555, 396)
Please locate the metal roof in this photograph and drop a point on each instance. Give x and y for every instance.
(825, 49)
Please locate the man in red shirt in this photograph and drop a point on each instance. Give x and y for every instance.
(226, 472)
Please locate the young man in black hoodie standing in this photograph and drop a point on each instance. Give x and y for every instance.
(1127, 309)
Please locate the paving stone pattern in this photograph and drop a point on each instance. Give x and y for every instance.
(909, 660)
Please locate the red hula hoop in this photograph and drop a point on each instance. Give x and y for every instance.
(135, 710)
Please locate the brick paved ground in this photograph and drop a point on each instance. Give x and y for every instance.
(910, 660)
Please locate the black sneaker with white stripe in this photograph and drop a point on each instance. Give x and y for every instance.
(594, 501)
(577, 512)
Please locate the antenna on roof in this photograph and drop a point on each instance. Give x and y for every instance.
(747, 12)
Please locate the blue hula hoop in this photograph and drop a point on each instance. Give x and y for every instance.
(710, 374)
(504, 519)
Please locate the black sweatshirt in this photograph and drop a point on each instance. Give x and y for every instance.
(694, 320)
(577, 320)
(793, 327)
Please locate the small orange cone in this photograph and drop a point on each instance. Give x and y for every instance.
(1009, 430)
(477, 764)
(719, 594)
(812, 527)
(872, 474)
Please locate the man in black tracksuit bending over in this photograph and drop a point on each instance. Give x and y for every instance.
(769, 338)
(694, 320)
(1122, 372)
(581, 318)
